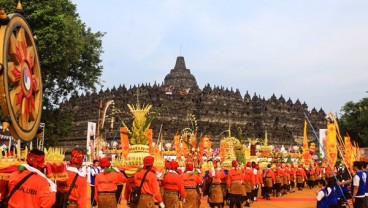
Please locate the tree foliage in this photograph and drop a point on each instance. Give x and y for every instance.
(69, 52)
(354, 121)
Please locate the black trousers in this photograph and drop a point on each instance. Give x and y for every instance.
(359, 203)
(277, 187)
(118, 192)
(93, 201)
(254, 193)
(235, 200)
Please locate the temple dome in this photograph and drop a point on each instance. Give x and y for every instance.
(180, 77)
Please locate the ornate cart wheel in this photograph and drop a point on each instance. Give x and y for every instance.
(20, 78)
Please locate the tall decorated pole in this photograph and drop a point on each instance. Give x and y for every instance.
(331, 146)
(306, 155)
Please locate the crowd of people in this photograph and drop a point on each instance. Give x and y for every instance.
(177, 186)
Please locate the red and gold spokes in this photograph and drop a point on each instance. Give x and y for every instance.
(24, 84)
(20, 81)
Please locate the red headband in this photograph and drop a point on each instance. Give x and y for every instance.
(148, 161)
(36, 161)
(105, 162)
(189, 167)
(234, 163)
(174, 165)
(76, 157)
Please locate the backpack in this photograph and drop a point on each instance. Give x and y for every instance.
(135, 193)
(62, 198)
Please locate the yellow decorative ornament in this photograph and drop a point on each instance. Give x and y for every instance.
(140, 124)
(54, 162)
(229, 144)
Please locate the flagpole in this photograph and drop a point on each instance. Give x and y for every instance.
(323, 149)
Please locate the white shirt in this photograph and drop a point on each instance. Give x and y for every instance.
(321, 194)
(356, 181)
(83, 171)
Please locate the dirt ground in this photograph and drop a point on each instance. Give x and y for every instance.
(299, 199)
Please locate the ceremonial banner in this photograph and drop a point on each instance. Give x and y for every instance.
(331, 146)
(91, 136)
(177, 147)
(124, 140)
(323, 139)
(349, 155)
(149, 134)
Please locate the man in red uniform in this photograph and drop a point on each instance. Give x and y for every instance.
(128, 187)
(286, 179)
(173, 186)
(37, 191)
(279, 174)
(300, 177)
(106, 184)
(269, 180)
(292, 178)
(318, 173)
(258, 180)
(311, 179)
(216, 193)
(192, 180)
(249, 183)
(150, 190)
(235, 181)
(78, 194)
(223, 184)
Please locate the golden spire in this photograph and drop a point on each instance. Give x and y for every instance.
(19, 8)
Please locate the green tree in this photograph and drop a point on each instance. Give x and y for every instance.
(354, 121)
(68, 50)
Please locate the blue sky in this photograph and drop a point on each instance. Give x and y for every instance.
(312, 50)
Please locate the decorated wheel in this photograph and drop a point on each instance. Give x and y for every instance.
(20, 78)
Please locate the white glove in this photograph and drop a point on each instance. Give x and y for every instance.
(161, 205)
(158, 175)
(254, 187)
(184, 201)
(289, 182)
(262, 185)
(53, 187)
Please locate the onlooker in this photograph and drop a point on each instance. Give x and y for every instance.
(94, 170)
(358, 187)
(322, 195)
